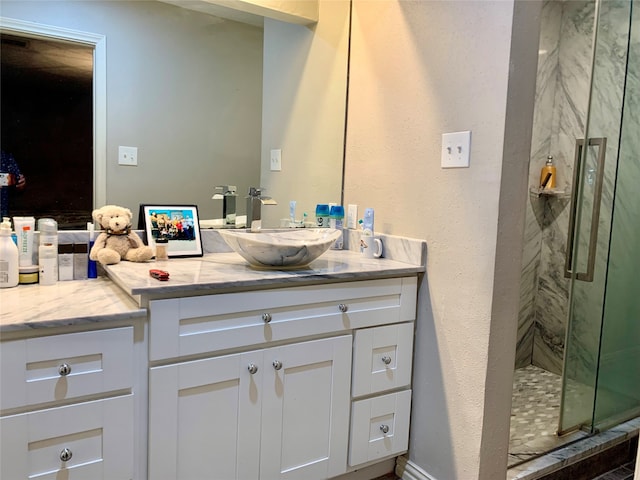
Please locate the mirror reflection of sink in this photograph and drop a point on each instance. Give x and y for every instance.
(241, 221)
(292, 248)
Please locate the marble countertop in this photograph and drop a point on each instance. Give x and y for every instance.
(126, 287)
(218, 272)
(28, 307)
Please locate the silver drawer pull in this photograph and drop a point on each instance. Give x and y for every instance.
(343, 308)
(253, 368)
(384, 428)
(277, 364)
(386, 359)
(64, 369)
(65, 455)
(266, 317)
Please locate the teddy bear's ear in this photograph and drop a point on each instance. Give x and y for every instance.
(128, 212)
(97, 214)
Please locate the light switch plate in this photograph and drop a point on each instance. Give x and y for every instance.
(276, 160)
(128, 156)
(456, 148)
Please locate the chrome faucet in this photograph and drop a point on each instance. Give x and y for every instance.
(255, 200)
(228, 197)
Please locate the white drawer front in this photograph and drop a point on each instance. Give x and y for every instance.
(382, 358)
(379, 427)
(96, 437)
(63, 367)
(203, 324)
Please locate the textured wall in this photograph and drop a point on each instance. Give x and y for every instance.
(413, 77)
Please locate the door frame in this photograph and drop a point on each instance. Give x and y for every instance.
(98, 42)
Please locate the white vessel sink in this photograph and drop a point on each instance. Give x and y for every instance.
(290, 248)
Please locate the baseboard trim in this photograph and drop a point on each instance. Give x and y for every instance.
(407, 470)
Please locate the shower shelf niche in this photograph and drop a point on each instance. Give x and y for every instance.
(538, 192)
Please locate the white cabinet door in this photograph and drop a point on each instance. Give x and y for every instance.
(305, 412)
(92, 440)
(204, 419)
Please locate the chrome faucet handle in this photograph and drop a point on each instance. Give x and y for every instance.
(255, 192)
(227, 190)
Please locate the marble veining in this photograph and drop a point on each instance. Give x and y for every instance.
(229, 271)
(28, 307)
(293, 247)
(562, 101)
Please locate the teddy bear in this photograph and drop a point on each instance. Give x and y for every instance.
(117, 241)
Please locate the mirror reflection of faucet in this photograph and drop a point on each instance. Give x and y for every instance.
(228, 197)
(255, 200)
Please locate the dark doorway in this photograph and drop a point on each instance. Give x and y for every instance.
(46, 119)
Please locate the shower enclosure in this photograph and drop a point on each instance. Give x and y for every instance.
(580, 287)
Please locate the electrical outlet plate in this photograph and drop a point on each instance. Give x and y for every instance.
(276, 160)
(455, 149)
(128, 156)
(352, 216)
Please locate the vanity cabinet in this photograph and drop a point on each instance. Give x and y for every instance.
(258, 385)
(280, 412)
(67, 407)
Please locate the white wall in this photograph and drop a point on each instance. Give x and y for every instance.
(183, 87)
(419, 69)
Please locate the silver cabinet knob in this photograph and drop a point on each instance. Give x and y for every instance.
(386, 359)
(266, 317)
(64, 369)
(65, 455)
(253, 368)
(343, 308)
(384, 428)
(277, 364)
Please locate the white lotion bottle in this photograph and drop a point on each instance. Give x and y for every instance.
(8, 257)
(48, 263)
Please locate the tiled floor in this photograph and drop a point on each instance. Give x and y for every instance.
(535, 411)
(535, 451)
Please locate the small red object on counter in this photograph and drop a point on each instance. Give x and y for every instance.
(159, 274)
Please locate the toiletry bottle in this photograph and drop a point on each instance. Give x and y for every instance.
(548, 174)
(368, 222)
(80, 261)
(65, 261)
(25, 226)
(48, 230)
(336, 220)
(161, 249)
(92, 266)
(48, 263)
(8, 257)
(322, 215)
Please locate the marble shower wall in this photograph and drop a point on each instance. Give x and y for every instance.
(562, 92)
(605, 121)
(561, 111)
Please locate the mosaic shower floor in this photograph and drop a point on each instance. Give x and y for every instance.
(535, 411)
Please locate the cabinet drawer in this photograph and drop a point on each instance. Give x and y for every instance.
(382, 358)
(76, 442)
(63, 367)
(379, 427)
(193, 325)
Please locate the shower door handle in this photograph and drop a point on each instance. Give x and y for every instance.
(601, 143)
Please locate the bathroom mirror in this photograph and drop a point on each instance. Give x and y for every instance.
(190, 102)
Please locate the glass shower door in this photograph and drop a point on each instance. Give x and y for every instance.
(618, 381)
(588, 241)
